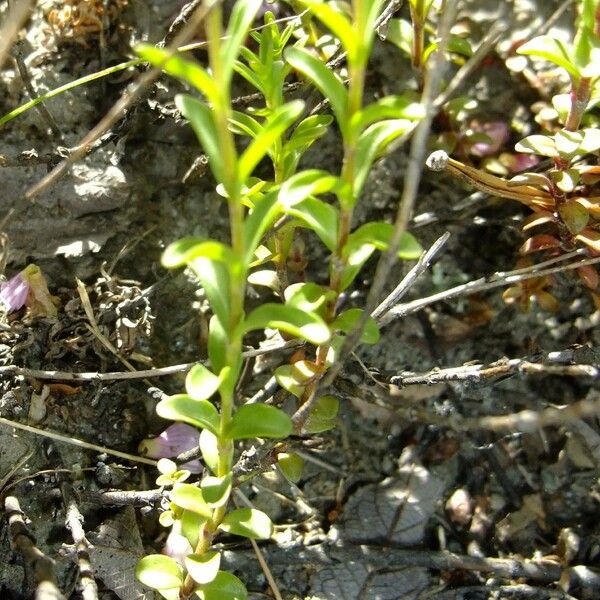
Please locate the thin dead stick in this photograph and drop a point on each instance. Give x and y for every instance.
(476, 286)
(94, 376)
(480, 372)
(525, 421)
(74, 522)
(409, 194)
(422, 265)
(17, 15)
(23, 542)
(543, 571)
(75, 442)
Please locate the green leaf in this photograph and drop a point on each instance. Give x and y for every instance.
(249, 75)
(265, 278)
(338, 24)
(323, 417)
(192, 525)
(183, 251)
(567, 143)
(365, 18)
(272, 131)
(261, 218)
(175, 65)
(159, 572)
(225, 586)
(291, 379)
(347, 321)
(309, 297)
(199, 413)
(248, 523)
(308, 131)
(216, 490)
(319, 216)
(202, 121)
(259, 421)
(243, 124)
(389, 107)
(537, 144)
(400, 33)
(242, 16)
(289, 319)
(591, 140)
(200, 383)
(189, 497)
(209, 446)
(291, 465)
(326, 81)
(574, 216)
(370, 237)
(371, 143)
(203, 568)
(170, 594)
(551, 49)
(215, 279)
(304, 184)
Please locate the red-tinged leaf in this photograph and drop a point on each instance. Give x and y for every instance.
(591, 239)
(589, 276)
(540, 217)
(574, 216)
(547, 301)
(539, 242)
(590, 174)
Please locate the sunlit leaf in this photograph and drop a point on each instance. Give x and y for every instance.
(308, 296)
(324, 79)
(200, 383)
(203, 568)
(400, 33)
(159, 572)
(225, 586)
(248, 523)
(177, 66)
(304, 184)
(240, 20)
(189, 497)
(295, 377)
(289, 319)
(192, 526)
(209, 446)
(216, 490)
(244, 124)
(259, 421)
(537, 144)
(291, 465)
(551, 49)
(372, 143)
(319, 216)
(181, 407)
(261, 218)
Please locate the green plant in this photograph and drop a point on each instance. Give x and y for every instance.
(277, 206)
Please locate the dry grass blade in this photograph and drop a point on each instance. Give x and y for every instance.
(17, 15)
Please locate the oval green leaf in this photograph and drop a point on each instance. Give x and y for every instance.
(209, 446)
(225, 586)
(291, 465)
(189, 497)
(292, 320)
(259, 421)
(203, 568)
(159, 572)
(248, 523)
(181, 407)
(200, 383)
(216, 490)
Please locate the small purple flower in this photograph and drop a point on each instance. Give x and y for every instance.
(177, 546)
(174, 440)
(13, 293)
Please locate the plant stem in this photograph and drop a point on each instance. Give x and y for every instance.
(580, 96)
